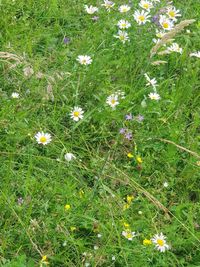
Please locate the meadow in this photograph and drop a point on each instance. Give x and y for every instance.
(100, 133)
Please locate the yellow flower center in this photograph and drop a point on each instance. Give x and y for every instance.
(160, 242)
(124, 25)
(84, 61)
(172, 13)
(141, 18)
(129, 235)
(76, 113)
(43, 139)
(146, 5)
(165, 25)
(113, 101)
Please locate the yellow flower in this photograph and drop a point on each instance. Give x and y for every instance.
(126, 225)
(72, 228)
(67, 207)
(129, 198)
(81, 193)
(126, 206)
(44, 258)
(147, 242)
(139, 160)
(44, 261)
(130, 156)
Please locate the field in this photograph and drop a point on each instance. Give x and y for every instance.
(99, 155)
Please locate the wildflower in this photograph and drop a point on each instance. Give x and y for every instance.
(99, 235)
(87, 264)
(166, 23)
(146, 4)
(195, 54)
(160, 242)
(165, 184)
(175, 48)
(129, 117)
(139, 118)
(69, 156)
(15, 95)
(154, 96)
(151, 82)
(126, 225)
(44, 261)
(122, 131)
(108, 5)
(128, 234)
(112, 100)
(140, 212)
(95, 18)
(129, 199)
(43, 138)
(123, 24)
(67, 207)
(138, 159)
(91, 9)
(160, 34)
(66, 40)
(172, 12)
(20, 201)
(77, 114)
(126, 206)
(113, 258)
(141, 17)
(124, 8)
(147, 242)
(122, 36)
(81, 193)
(129, 155)
(96, 247)
(84, 60)
(128, 135)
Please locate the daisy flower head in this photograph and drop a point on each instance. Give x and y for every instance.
(175, 48)
(84, 60)
(128, 234)
(147, 5)
(150, 82)
(166, 23)
(77, 113)
(108, 5)
(141, 17)
(154, 96)
(195, 54)
(160, 242)
(91, 9)
(113, 100)
(15, 95)
(124, 8)
(122, 36)
(43, 138)
(69, 156)
(123, 24)
(173, 13)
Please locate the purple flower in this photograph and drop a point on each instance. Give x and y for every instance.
(140, 118)
(122, 131)
(129, 117)
(128, 135)
(95, 18)
(20, 201)
(155, 19)
(66, 40)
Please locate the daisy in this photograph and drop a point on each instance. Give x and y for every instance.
(166, 23)
(77, 113)
(15, 95)
(141, 16)
(123, 24)
(128, 234)
(160, 242)
(124, 8)
(122, 36)
(172, 12)
(112, 100)
(43, 138)
(91, 9)
(154, 96)
(69, 156)
(147, 5)
(175, 48)
(108, 4)
(195, 54)
(150, 82)
(160, 34)
(84, 60)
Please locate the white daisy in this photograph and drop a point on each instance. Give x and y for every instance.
(128, 234)
(43, 138)
(15, 95)
(124, 8)
(160, 242)
(166, 23)
(123, 24)
(112, 100)
(91, 9)
(172, 12)
(195, 54)
(154, 96)
(175, 48)
(77, 113)
(84, 60)
(141, 16)
(69, 156)
(108, 4)
(147, 5)
(150, 82)
(122, 36)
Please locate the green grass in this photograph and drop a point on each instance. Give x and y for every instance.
(34, 31)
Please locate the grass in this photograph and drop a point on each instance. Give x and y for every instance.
(97, 183)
